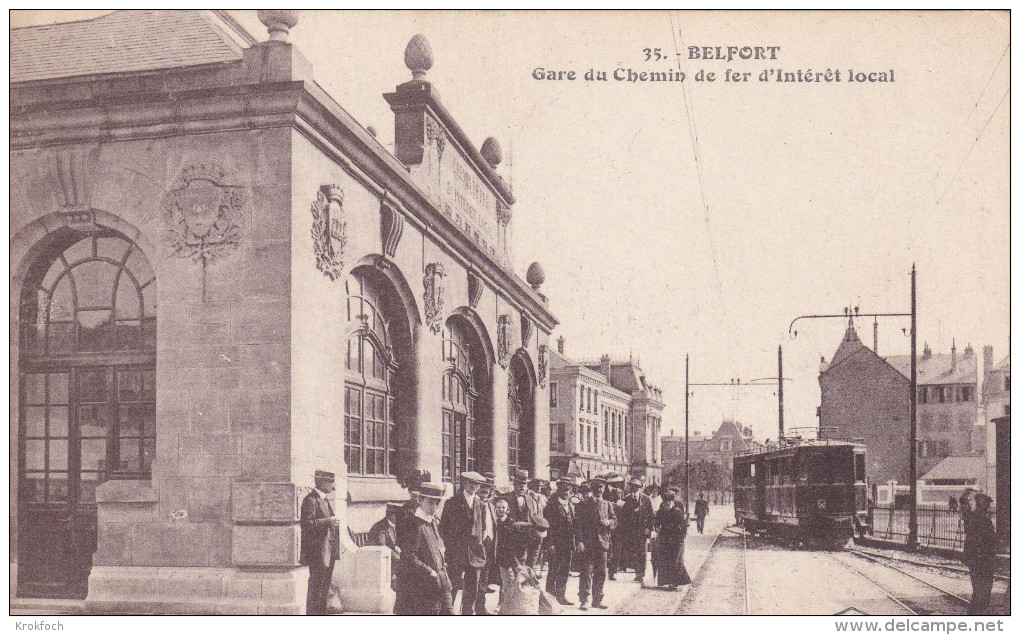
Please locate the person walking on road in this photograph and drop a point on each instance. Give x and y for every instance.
(671, 523)
(979, 550)
(700, 512)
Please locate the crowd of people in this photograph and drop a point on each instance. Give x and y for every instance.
(483, 537)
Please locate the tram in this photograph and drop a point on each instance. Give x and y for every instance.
(811, 491)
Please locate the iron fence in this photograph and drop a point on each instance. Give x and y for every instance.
(937, 526)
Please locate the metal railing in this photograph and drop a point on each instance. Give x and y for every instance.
(937, 526)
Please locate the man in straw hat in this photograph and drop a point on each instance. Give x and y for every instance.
(320, 541)
(423, 584)
(462, 528)
(979, 550)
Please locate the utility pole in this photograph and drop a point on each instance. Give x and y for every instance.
(780, 395)
(687, 431)
(912, 534)
(912, 401)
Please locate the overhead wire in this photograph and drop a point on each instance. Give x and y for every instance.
(676, 32)
(959, 167)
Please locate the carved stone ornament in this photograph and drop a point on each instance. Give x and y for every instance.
(435, 135)
(543, 363)
(203, 214)
(433, 298)
(391, 227)
(526, 330)
(475, 287)
(503, 340)
(502, 212)
(329, 231)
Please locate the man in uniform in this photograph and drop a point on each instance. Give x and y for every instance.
(320, 541)
(700, 512)
(596, 520)
(462, 529)
(979, 550)
(562, 540)
(423, 585)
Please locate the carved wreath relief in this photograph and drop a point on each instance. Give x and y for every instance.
(203, 214)
(433, 297)
(329, 230)
(503, 340)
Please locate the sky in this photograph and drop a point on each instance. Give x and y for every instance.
(810, 196)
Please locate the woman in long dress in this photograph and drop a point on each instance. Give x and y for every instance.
(671, 525)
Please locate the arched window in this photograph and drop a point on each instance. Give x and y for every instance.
(520, 408)
(465, 402)
(370, 429)
(87, 399)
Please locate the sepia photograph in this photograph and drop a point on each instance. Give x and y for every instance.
(547, 313)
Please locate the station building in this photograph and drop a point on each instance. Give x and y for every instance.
(221, 282)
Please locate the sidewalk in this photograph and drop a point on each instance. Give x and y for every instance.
(620, 593)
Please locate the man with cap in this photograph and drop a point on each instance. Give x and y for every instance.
(701, 511)
(596, 520)
(563, 539)
(384, 534)
(320, 541)
(462, 529)
(979, 550)
(423, 585)
(635, 520)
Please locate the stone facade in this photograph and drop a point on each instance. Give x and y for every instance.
(604, 417)
(281, 234)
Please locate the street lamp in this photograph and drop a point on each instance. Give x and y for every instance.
(912, 533)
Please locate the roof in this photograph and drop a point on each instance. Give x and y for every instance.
(957, 467)
(938, 369)
(124, 41)
(1004, 364)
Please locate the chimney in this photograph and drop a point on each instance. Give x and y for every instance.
(560, 344)
(606, 366)
(926, 353)
(953, 350)
(989, 362)
(875, 327)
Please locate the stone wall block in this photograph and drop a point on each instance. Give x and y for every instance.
(184, 544)
(265, 365)
(267, 270)
(114, 546)
(208, 499)
(261, 321)
(173, 497)
(210, 312)
(211, 443)
(127, 513)
(271, 212)
(274, 410)
(220, 538)
(275, 467)
(212, 465)
(262, 502)
(271, 444)
(262, 545)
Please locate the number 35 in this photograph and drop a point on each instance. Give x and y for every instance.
(650, 53)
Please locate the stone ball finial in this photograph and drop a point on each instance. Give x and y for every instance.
(535, 275)
(372, 131)
(279, 22)
(491, 151)
(418, 56)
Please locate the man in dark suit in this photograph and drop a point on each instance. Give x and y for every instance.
(320, 541)
(562, 540)
(524, 508)
(384, 534)
(700, 512)
(423, 585)
(596, 520)
(462, 529)
(635, 522)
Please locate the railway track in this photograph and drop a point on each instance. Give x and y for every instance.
(919, 563)
(908, 605)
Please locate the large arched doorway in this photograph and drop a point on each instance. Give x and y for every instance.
(378, 390)
(520, 416)
(467, 402)
(87, 399)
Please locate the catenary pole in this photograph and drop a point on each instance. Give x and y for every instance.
(912, 534)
